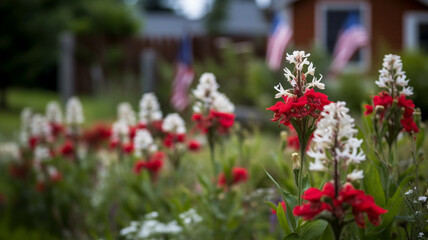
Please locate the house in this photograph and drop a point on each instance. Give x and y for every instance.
(392, 25)
(242, 18)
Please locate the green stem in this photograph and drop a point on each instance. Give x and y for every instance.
(212, 153)
(303, 144)
(337, 230)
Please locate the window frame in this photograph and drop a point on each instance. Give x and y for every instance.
(321, 10)
(411, 21)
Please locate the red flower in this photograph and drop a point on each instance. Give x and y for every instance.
(153, 165)
(226, 120)
(311, 103)
(409, 125)
(138, 166)
(283, 207)
(238, 175)
(171, 139)
(156, 162)
(310, 210)
(132, 131)
(194, 145)
(128, 147)
(383, 99)
(157, 125)
(360, 202)
(223, 121)
(97, 134)
(32, 142)
(67, 149)
(113, 143)
(369, 109)
(56, 128)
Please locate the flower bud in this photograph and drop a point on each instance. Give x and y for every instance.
(296, 162)
(284, 135)
(417, 115)
(379, 109)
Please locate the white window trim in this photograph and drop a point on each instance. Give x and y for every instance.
(321, 8)
(410, 32)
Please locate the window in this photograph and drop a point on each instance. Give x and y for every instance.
(331, 19)
(416, 30)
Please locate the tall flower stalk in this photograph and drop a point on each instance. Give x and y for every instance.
(337, 152)
(300, 105)
(392, 111)
(213, 113)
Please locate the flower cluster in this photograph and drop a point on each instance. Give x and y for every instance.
(153, 165)
(347, 200)
(213, 110)
(335, 137)
(175, 129)
(392, 101)
(301, 100)
(238, 175)
(150, 113)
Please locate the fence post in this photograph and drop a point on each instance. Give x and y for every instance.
(147, 68)
(66, 66)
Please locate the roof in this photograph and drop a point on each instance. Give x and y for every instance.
(237, 21)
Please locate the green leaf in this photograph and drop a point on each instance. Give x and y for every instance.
(290, 202)
(306, 182)
(271, 205)
(373, 186)
(204, 182)
(292, 236)
(280, 214)
(312, 229)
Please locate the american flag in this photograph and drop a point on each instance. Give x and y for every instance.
(184, 75)
(352, 37)
(279, 37)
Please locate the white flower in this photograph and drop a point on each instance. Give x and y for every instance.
(317, 166)
(173, 123)
(41, 154)
(407, 91)
(281, 91)
(392, 76)
(222, 103)
(120, 131)
(315, 83)
(126, 113)
(422, 199)
(311, 70)
(408, 192)
(297, 57)
(26, 118)
(290, 77)
(143, 140)
(52, 171)
(421, 234)
(149, 109)
(40, 126)
(297, 79)
(335, 134)
(53, 112)
(206, 89)
(10, 151)
(190, 216)
(74, 112)
(355, 175)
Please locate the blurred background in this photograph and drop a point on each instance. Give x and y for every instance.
(113, 50)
